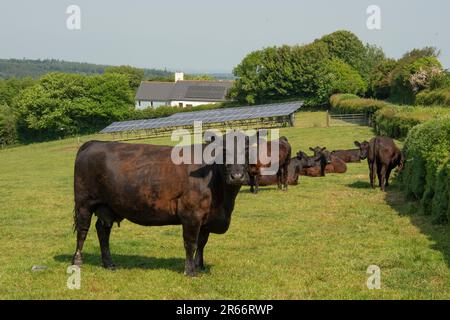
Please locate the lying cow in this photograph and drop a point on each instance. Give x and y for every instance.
(328, 163)
(295, 168)
(383, 156)
(141, 183)
(352, 155)
(284, 156)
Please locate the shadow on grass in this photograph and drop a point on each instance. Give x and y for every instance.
(123, 261)
(439, 234)
(359, 185)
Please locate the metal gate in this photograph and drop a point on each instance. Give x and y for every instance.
(349, 119)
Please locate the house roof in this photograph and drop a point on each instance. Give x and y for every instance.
(190, 90)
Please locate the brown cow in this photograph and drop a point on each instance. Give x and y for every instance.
(141, 183)
(284, 157)
(383, 156)
(333, 163)
(352, 155)
(295, 167)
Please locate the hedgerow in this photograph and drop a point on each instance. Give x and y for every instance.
(426, 173)
(348, 103)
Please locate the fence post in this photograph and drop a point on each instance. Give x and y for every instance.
(328, 118)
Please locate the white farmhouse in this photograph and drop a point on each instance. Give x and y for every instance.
(181, 93)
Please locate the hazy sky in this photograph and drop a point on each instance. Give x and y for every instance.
(208, 36)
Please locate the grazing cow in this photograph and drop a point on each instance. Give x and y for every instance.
(284, 157)
(352, 155)
(383, 156)
(141, 183)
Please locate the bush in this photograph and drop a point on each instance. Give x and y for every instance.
(396, 121)
(345, 103)
(8, 132)
(426, 172)
(434, 97)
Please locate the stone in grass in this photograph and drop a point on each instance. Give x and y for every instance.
(38, 268)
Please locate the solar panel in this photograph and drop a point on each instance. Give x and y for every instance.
(207, 116)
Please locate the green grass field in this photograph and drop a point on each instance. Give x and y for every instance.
(313, 242)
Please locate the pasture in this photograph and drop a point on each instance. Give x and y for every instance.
(313, 242)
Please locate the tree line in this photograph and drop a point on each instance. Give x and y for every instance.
(338, 63)
(60, 104)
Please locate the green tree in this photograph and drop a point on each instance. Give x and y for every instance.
(135, 75)
(63, 104)
(347, 47)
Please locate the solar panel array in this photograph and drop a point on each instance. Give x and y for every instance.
(207, 116)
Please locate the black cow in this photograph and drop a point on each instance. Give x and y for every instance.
(140, 182)
(383, 156)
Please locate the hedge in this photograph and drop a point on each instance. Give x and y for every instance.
(396, 121)
(349, 103)
(426, 173)
(434, 97)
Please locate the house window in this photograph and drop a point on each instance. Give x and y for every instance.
(189, 105)
(180, 104)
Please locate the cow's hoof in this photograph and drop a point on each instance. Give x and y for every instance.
(110, 267)
(77, 260)
(191, 274)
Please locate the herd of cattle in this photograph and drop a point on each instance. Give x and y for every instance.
(381, 153)
(140, 183)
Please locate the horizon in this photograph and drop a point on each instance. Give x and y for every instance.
(173, 36)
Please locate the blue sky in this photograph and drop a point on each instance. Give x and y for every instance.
(208, 35)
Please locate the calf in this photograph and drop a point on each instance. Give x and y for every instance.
(383, 156)
(329, 163)
(284, 156)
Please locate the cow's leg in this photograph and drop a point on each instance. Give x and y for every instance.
(252, 183)
(103, 232)
(256, 184)
(82, 222)
(371, 174)
(285, 177)
(388, 173)
(202, 240)
(383, 177)
(280, 178)
(190, 236)
(379, 169)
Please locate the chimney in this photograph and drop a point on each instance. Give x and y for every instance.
(179, 76)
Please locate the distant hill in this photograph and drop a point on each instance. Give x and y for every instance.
(20, 68)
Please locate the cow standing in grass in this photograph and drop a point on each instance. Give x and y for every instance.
(141, 183)
(383, 156)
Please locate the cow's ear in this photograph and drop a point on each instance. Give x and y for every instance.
(310, 148)
(357, 144)
(323, 149)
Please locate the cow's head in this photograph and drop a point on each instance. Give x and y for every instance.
(322, 153)
(307, 161)
(235, 157)
(363, 149)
